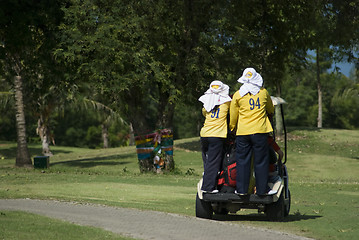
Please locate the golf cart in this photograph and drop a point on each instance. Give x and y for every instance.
(275, 206)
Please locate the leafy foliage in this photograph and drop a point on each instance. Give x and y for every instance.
(344, 107)
(148, 63)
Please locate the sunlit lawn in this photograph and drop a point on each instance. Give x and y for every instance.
(323, 167)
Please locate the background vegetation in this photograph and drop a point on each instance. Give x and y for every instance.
(93, 73)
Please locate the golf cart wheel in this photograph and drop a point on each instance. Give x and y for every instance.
(276, 211)
(203, 209)
(287, 205)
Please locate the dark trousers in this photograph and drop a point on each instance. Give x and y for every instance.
(212, 155)
(245, 145)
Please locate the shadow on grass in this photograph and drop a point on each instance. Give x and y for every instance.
(34, 151)
(96, 161)
(191, 146)
(262, 218)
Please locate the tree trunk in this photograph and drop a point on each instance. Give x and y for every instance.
(165, 110)
(132, 136)
(278, 122)
(22, 155)
(319, 87)
(279, 129)
(105, 135)
(136, 112)
(44, 133)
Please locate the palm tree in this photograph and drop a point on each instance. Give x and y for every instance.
(106, 115)
(22, 155)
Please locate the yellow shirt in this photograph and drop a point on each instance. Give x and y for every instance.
(215, 124)
(249, 113)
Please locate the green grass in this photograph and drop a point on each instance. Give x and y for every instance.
(323, 170)
(325, 155)
(20, 225)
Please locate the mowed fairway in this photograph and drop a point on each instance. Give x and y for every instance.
(322, 164)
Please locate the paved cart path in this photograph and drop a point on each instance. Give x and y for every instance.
(142, 224)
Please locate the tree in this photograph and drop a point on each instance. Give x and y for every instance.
(193, 48)
(142, 57)
(322, 28)
(22, 154)
(332, 33)
(267, 35)
(24, 26)
(342, 105)
(7, 120)
(346, 31)
(106, 116)
(48, 94)
(299, 91)
(14, 29)
(100, 41)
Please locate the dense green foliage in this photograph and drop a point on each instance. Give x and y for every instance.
(143, 64)
(339, 97)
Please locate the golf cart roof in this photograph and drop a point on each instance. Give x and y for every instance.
(277, 100)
